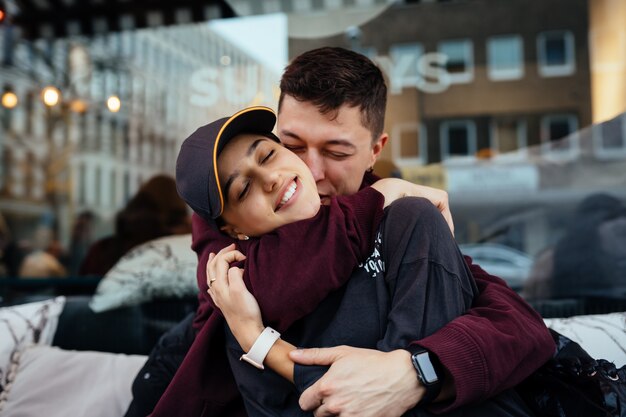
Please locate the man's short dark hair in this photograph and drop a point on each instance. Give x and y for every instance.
(330, 77)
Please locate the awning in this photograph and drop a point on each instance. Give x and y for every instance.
(61, 18)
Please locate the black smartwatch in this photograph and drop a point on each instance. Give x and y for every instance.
(429, 372)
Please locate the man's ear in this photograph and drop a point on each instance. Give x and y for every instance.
(378, 146)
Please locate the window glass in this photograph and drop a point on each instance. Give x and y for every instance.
(458, 139)
(505, 57)
(509, 136)
(556, 53)
(413, 144)
(609, 138)
(518, 112)
(559, 135)
(460, 59)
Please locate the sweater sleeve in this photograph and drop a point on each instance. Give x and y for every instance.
(494, 346)
(293, 268)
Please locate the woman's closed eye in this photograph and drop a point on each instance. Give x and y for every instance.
(244, 191)
(267, 157)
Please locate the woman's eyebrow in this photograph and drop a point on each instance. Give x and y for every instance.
(254, 145)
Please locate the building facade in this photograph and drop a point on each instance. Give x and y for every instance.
(127, 100)
(503, 104)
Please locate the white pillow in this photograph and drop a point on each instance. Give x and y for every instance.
(164, 267)
(23, 325)
(53, 382)
(603, 336)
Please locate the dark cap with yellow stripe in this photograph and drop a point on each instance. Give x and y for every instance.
(197, 180)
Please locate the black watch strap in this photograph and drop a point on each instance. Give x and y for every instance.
(429, 372)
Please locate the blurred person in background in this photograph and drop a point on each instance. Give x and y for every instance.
(590, 258)
(45, 259)
(156, 210)
(82, 238)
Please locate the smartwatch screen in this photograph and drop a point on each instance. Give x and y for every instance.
(428, 372)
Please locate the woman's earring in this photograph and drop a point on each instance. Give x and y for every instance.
(241, 236)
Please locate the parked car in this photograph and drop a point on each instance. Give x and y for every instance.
(505, 262)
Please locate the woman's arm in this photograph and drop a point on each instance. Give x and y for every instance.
(241, 310)
(395, 188)
(329, 246)
(327, 266)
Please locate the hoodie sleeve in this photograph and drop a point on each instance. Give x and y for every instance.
(494, 346)
(293, 268)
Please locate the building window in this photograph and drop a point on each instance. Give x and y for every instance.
(83, 128)
(509, 137)
(404, 70)
(126, 143)
(112, 188)
(609, 138)
(460, 63)
(458, 139)
(556, 53)
(98, 186)
(82, 185)
(505, 58)
(557, 135)
(409, 144)
(126, 186)
(29, 112)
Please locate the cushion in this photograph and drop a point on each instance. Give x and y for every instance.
(603, 336)
(164, 267)
(53, 382)
(21, 326)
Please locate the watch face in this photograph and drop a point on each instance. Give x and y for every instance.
(426, 368)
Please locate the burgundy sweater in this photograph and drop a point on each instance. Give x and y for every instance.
(287, 283)
(493, 347)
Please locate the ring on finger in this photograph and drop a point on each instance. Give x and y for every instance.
(211, 281)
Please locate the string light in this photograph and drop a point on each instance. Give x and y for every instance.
(114, 104)
(9, 100)
(51, 96)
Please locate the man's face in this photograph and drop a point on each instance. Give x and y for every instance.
(338, 150)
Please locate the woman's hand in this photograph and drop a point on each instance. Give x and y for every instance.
(394, 188)
(241, 310)
(230, 295)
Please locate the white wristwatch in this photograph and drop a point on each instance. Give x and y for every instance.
(261, 347)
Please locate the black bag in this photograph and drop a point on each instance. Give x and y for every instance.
(573, 384)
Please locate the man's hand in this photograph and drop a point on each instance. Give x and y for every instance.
(360, 382)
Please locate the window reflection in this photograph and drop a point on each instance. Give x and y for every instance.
(521, 118)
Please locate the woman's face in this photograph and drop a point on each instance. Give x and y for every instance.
(265, 186)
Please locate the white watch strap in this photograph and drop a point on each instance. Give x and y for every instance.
(261, 347)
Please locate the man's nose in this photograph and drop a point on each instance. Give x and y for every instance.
(315, 162)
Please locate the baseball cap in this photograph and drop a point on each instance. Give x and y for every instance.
(197, 180)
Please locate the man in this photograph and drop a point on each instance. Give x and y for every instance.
(339, 144)
(331, 113)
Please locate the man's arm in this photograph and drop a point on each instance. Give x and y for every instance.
(498, 343)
